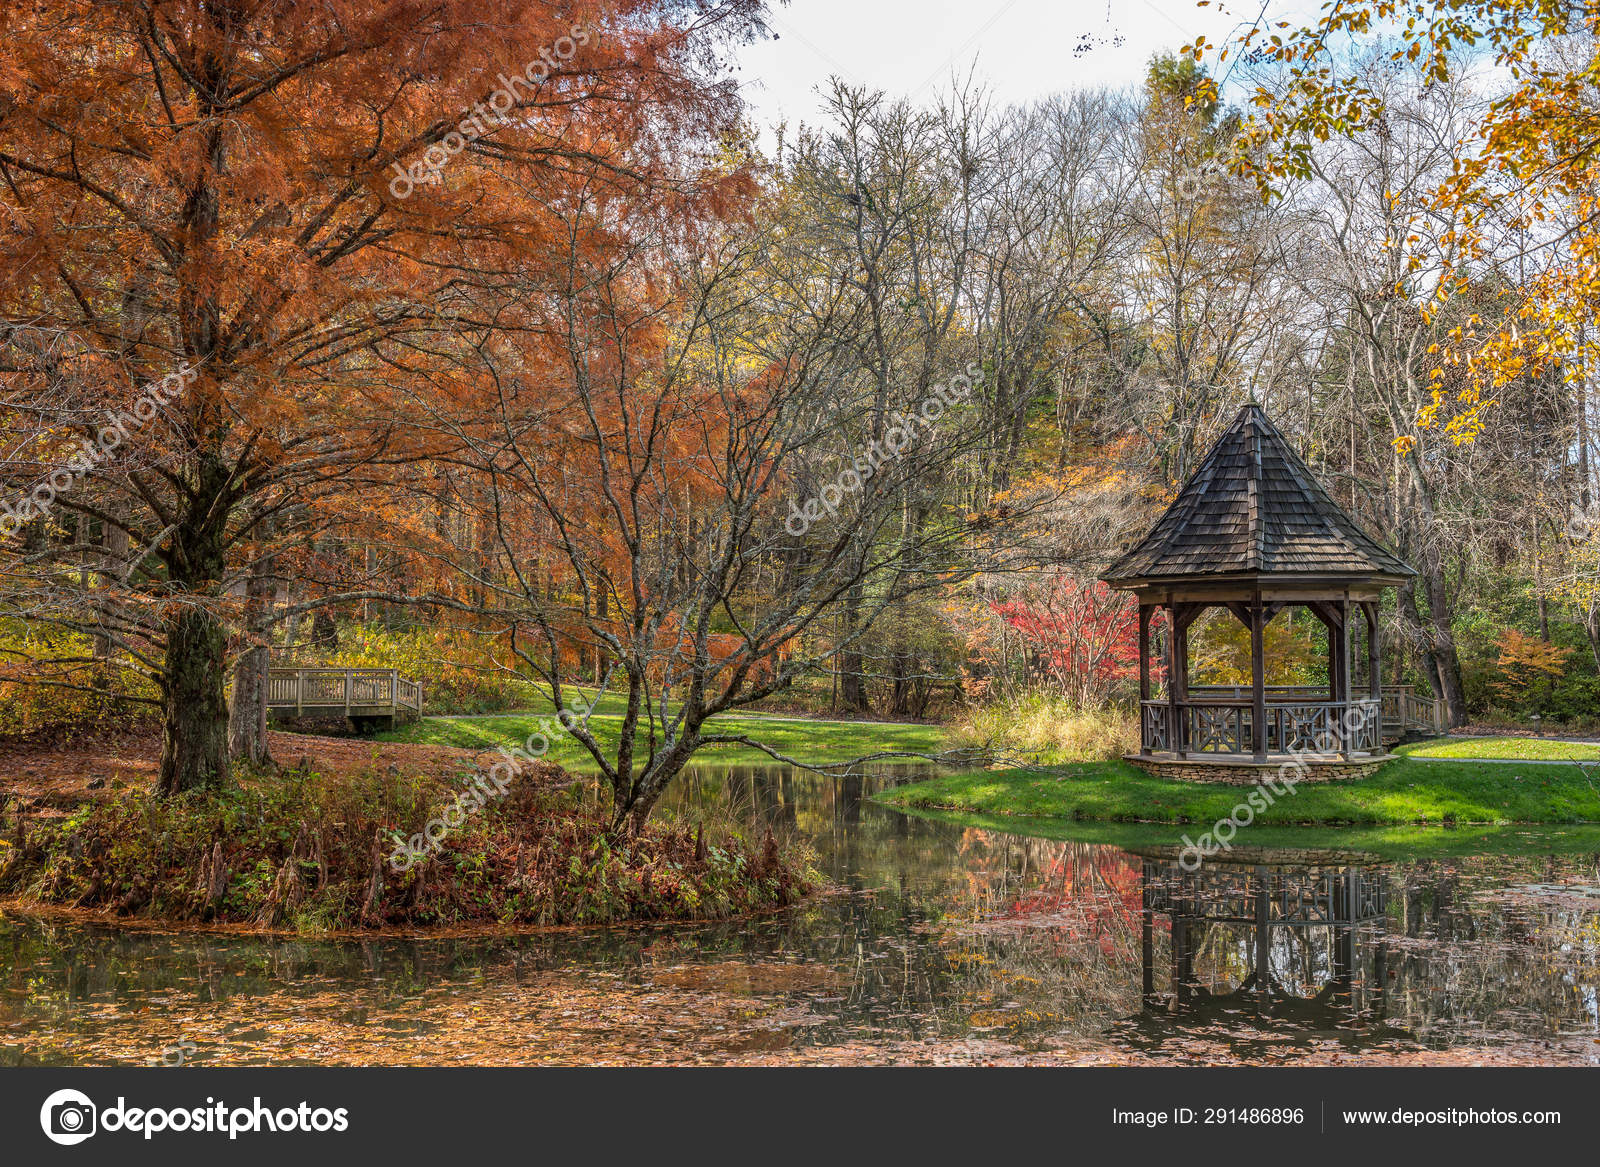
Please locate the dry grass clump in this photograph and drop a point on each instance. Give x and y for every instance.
(1052, 730)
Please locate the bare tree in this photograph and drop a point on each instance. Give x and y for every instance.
(709, 482)
(1385, 244)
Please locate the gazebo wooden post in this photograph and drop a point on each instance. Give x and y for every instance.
(1144, 656)
(1144, 676)
(1258, 678)
(1369, 609)
(1174, 723)
(1344, 676)
(1182, 616)
(1330, 617)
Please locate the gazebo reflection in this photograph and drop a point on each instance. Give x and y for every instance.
(1294, 938)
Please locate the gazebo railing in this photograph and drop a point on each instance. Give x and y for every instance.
(1207, 725)
(1155, 727)
(1403, 709)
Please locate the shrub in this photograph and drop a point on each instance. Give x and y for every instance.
(459, 669)
(1052, 729)
(47, 692)
(304, 851)
(1083, 636)
(1529, 669)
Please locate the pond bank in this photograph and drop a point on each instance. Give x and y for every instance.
(312, 853)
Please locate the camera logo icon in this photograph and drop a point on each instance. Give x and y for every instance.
(68, 1117)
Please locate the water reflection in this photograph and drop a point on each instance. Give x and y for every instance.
(1293, 943)
(945, 943)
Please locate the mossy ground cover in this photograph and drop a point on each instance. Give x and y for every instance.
(1403, 793)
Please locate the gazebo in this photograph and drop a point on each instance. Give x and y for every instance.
(1254, 532)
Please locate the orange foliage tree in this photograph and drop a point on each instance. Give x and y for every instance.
(1522, 192)
(311, 212)
(1528, 666)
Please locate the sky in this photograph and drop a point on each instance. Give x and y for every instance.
(1023, 49)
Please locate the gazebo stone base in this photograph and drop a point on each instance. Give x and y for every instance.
(1237, 771)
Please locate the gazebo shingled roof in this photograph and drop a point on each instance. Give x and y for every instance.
(1254, 508)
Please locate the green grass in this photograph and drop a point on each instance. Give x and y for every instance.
(815, 742)
(1522, 749)
(1402, 793)
(1405, 842)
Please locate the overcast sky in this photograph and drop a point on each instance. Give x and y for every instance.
(1023, 48)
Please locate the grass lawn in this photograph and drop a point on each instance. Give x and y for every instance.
(1402, 793)
(1402, 842)
(1522, 749)
(815, 742)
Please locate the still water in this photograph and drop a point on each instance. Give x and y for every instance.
(944, 944)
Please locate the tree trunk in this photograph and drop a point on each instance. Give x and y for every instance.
(194, 737)
(247, 719)
(851, 690)
(194, 740)
(900, 696)
(115, 541)
(1591, 626)
(324, 632)
(1438, 636)
(1442, 648)
(631, 807)
(247, 725)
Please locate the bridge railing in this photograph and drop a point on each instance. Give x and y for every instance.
(359, 692)
(1404, 709)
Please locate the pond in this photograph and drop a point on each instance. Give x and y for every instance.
(945, 943)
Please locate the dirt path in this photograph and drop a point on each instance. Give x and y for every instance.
(62, 775)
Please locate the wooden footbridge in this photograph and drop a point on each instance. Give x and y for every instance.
(352, 693)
